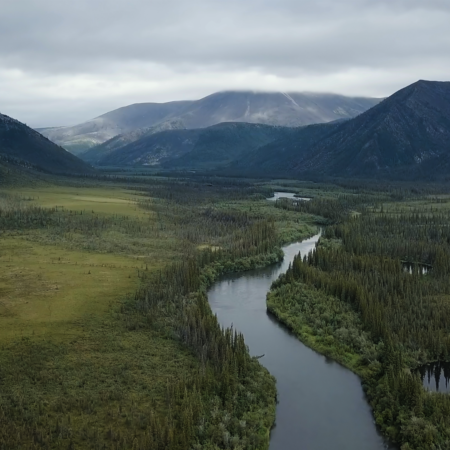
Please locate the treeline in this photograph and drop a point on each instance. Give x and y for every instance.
(230, 401)
(374, 263)
(334, 209)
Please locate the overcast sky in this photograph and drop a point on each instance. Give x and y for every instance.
(63, 62)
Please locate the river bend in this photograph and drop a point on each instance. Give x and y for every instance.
(321, 404)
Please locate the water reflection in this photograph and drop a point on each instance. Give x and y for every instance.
(421, 268)
(291, 195)
(435, 376)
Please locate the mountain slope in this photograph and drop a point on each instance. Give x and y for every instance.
(408, 133)
(276, 158)
(79, 138)
(99, 152)
(19, 142)
(271, 108)
(223, 143)
(152, 150)
(199, 148)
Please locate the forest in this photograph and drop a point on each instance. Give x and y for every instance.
(374, 295)
(107, 338)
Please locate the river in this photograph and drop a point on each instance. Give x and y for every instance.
(321, 404)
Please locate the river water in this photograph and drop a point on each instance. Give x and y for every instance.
(291, 195)
(321, 404)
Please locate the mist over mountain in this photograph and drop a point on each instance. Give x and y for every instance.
(405, 136)
(79, 138)
(23, 145)
(408, 133)
(270, 108)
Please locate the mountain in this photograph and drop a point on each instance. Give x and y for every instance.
(79, 138)
(221, 144)
(276, 158)
(270, 108)
(199, 148)
(408, 134)
(26, 147)
(405, 136)
(151, 150)
(99, 152)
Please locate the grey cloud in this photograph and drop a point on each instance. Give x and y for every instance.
(84, 35)
(285, 39)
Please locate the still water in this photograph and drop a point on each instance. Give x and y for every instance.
(435, 376)
(321, 404)
(291, 195)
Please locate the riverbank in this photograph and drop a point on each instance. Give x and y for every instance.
(340, 336)
(308, 413)
(353, 301)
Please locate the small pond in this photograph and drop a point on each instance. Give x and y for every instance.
(409, 267)
(291, 195)
(435, 376)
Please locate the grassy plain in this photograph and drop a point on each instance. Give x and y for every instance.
(44, 289)
(64, 338)
(113, 200)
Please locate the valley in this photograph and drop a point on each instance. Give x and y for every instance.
(150, 294)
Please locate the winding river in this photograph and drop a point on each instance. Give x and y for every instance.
(321, 404)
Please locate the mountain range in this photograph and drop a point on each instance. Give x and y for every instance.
(269, 108)
(25, 147)
(405, 136)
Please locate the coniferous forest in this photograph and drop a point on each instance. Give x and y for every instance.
(124, 351)
(374, 295)
(152, 369)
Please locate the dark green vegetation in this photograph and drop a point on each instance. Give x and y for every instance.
(276, 157)
(270, 108)
(107, 340)
(193, 149)
(22, 146)
(353, 300)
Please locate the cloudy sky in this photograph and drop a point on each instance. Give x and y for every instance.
(63, 62)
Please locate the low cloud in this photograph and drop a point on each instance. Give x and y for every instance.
(64, 62)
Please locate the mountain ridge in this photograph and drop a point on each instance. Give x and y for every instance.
(23, 144)
(290, 109)
(407, 135)
(404, 130)
(197, 148)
